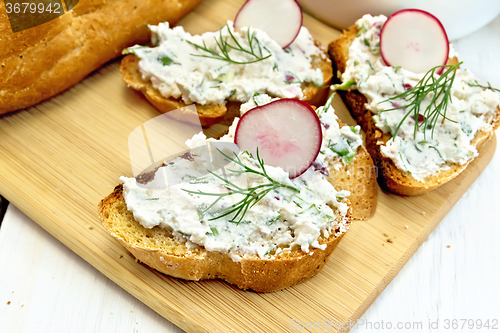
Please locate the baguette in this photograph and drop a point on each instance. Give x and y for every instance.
(209, 114)
(161, 250)
(41, 62)
(391, 177)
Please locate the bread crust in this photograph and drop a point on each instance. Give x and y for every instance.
(212, 113)
(389, 176)
(360, 179)
(158, 249)
(40, 62)
(207, 114)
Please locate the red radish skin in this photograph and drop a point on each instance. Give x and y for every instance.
(415, 40)
(280, 19)
(287, 133)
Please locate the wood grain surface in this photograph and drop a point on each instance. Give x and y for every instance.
(60, 158)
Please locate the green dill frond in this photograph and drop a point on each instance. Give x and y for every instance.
(224, 45)
(438, 87)
(251, 195)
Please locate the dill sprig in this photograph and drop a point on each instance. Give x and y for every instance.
(224, 46)
(328, 102)
(476, 84)
(343, 86)
(252, 195)
(438, 87)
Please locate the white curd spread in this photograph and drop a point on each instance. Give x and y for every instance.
(448, 141)
(282, 219)
(179, 69)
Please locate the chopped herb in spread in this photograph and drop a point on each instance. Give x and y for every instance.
(215, 67)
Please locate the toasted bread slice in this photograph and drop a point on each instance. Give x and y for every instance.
(159, 249)
(211, 113)
(359, 178)
(389, 176)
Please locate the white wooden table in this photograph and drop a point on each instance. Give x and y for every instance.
(44, 287)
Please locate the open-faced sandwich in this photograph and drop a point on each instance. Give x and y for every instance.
(424, 116)
(268, 219)
(220, 70)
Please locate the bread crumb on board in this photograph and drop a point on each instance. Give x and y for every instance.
(388, 240)
(448, 246)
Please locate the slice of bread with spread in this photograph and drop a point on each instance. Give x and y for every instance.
(159, 249)
(40, 62)
(174, 253)
(392, 177)
(221, 71)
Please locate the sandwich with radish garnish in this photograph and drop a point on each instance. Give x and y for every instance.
(260, 52)
(425, 117)
(294, 181)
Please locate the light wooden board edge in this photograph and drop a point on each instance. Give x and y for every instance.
(465, 180)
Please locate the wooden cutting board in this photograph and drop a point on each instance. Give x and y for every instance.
(60, 158)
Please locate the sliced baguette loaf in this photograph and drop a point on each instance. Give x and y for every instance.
(212, 113)
(159, 249)
(389, 176)
(40, 62)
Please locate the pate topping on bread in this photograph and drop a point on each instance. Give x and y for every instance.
(226, 65)
(294, 214)
(435, 141)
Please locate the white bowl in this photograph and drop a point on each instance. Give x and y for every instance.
(459, 17)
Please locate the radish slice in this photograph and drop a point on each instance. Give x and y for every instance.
(415, 40)
(287, 133)
(280, 19)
